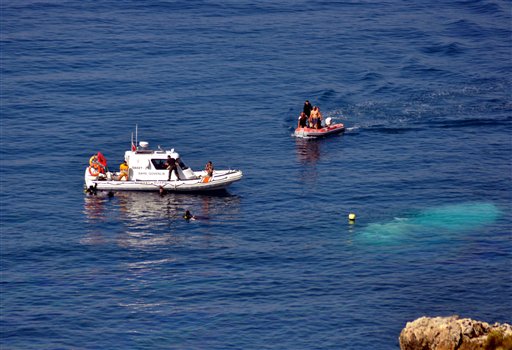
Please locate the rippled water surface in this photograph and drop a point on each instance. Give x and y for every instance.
(273, 263)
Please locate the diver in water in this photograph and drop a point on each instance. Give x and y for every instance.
(188, 216)
(92, 190)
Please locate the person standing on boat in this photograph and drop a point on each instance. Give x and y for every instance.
(315, 120)
(303, 120)
(307, 108)
(313, 117)
(171, 165)
(319, 118)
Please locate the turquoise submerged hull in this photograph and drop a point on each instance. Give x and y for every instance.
(433, 222)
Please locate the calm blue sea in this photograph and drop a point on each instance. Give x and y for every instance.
(424, 89)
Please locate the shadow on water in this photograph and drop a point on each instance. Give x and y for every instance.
(438, 223)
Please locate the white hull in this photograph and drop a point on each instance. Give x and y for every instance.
(220, 180)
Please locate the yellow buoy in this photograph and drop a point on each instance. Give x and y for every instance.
(352, 217)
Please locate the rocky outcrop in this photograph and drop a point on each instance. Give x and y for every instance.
(454, 333)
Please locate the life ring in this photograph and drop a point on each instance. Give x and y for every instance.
(95, 169)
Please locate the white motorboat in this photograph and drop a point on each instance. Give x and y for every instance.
(146, 170)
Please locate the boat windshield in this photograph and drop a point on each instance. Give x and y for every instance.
(159, 164)
(182, 165)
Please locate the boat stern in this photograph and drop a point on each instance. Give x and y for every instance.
(88, 178)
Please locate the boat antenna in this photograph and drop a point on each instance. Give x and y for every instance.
(136, 134)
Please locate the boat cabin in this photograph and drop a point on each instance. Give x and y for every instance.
(147, 164)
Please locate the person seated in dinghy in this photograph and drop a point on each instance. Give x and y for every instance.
(303, 120)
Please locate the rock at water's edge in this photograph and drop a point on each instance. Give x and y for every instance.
(453, 333)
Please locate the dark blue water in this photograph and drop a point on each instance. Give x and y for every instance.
(423, 88)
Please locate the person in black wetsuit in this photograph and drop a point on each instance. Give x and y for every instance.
(188, 216)
(303, 120)
(307, 108)
(171, 165)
